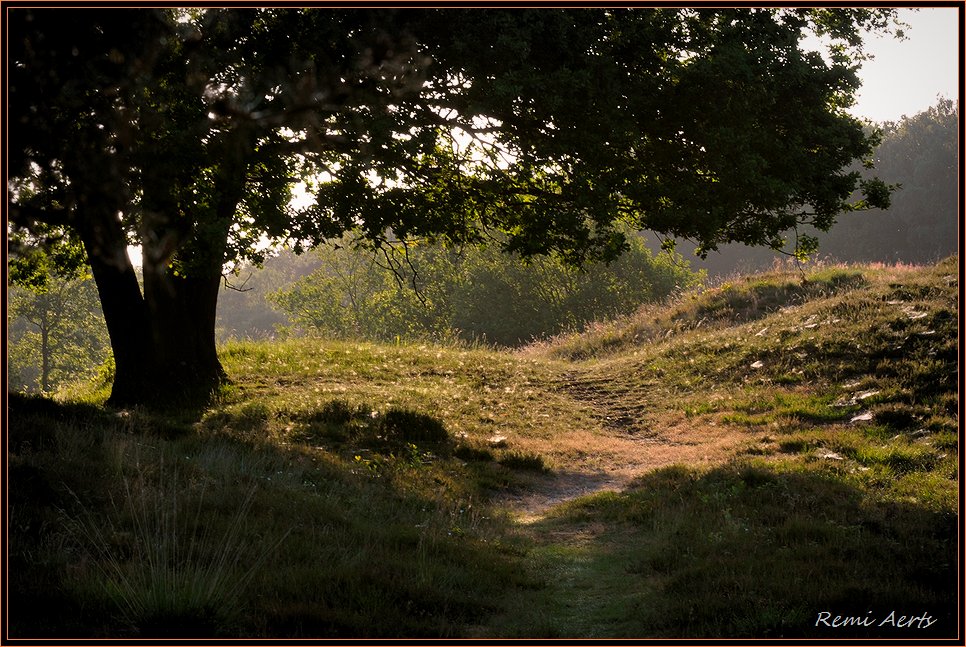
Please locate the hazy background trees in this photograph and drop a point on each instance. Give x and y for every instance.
(55, 334)
(476, 294)
(920, 154)
(243, 310)
(479, 295)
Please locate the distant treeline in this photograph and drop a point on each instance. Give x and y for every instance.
(475, 294)
(920, 154)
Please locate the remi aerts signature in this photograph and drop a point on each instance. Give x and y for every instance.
(893, 619)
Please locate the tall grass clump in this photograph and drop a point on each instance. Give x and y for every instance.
(168, 568)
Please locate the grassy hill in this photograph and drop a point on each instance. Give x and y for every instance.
(737, 462)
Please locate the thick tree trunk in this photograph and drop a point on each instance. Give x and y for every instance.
(97, 221)
(164, 341)
(182, 324)
(123, 306)
(182, 306)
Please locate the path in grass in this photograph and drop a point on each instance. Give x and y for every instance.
(787, 477)
(632, 447)
(585, 593)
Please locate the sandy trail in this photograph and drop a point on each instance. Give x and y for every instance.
(619, 457)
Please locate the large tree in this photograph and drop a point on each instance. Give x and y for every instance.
(186, 131)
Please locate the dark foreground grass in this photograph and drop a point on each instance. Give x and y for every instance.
(120, 531)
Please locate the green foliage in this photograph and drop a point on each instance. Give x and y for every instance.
(243, 311)
(912, 211)
(55, 333)
(474, 294)
(36, 258)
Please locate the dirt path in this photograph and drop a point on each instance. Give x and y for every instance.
(629, 457)
(625, 447)
(560, 487)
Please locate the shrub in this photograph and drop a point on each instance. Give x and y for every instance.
(474, 295)
(524, 461)
(403, 426)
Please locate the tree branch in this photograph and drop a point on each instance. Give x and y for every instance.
(229, 286)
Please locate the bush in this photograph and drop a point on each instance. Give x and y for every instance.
(524, 461)
(475, 294)
(402, 426)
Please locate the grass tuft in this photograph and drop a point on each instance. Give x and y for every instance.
(165, 567)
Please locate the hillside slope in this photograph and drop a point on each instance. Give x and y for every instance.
(816, 427)
(729, 464)
(843, 332)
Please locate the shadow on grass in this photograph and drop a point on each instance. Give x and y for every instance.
(122, 525)
(394, 545)
(742, 551)
(758, 296)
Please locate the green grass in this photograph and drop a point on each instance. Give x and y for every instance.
(176, 574)
(356, 490)
(233, 534)
(749, 549)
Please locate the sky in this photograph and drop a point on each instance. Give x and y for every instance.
(905, 77)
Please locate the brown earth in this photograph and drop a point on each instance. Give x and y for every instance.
(625, 445)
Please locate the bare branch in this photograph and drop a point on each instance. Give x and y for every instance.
(229, 286)
(390, 251)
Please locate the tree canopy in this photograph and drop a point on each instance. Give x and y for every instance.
(551, 131)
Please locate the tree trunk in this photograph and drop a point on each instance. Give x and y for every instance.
(182, 324)
(164, 341)
(122, 305)
(182, 305)
(44, 353)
